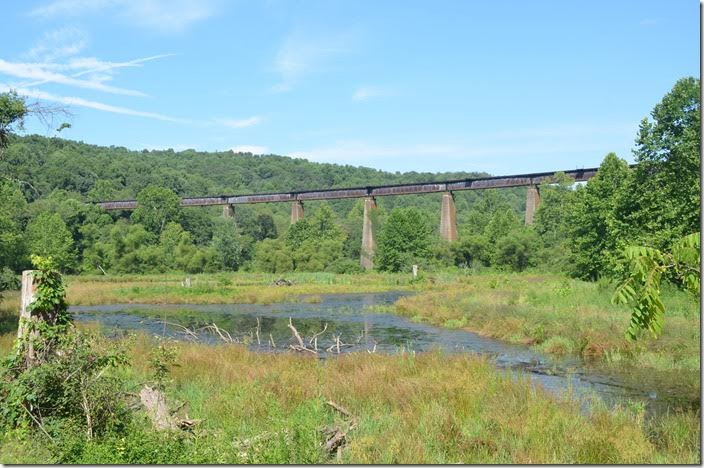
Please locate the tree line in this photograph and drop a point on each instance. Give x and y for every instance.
(49, 184)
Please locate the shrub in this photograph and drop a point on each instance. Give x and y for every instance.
(516, 251)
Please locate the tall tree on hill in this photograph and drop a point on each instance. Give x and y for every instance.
(593, 242)
(48, 236)
(13, 110)
(661, 202)
(156, 206)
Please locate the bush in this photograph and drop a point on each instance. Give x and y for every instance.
(516, 251)
(59, 377)
(344, 265)
(8, 279)
(471, 251)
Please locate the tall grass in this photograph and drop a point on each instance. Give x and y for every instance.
(425, 408)
(560, 315)
(224, 288)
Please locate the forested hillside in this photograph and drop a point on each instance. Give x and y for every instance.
(62, 177)
(49, 186)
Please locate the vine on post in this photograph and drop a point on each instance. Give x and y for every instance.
(48, 316)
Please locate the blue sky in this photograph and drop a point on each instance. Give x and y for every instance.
(497, 86)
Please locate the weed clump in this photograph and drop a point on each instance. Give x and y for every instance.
(558, 345)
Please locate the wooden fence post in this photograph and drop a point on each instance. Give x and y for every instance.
(28, 294)
(24, 337)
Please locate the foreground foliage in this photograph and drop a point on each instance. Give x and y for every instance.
(430, 408)
(642, 289)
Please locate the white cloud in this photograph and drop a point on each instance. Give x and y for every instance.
(57, 44)
(564, 131)
(77, 101)
(166, 16)
(241, 123)
(301, 54)
(70, 7)
(39, 71)
(250, 149)
(505, 152)
(357, 152)
(93, 65)
(364, 93)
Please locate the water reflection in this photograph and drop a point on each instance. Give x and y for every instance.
(264, 327)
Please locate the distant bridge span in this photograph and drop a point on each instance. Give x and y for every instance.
(448, 223)
(520, 180)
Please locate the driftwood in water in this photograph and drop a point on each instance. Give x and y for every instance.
(296, 335)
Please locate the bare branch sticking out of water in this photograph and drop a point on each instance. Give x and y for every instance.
(223, 334)
(314, 339)
(189, 333)
(258, 328)
(296, 334)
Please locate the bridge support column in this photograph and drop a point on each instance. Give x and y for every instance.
(366, 257)
(532, 203)
(448, 218)
(296, 211)
(228, 211)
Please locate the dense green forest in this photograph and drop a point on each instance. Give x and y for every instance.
(49, 184)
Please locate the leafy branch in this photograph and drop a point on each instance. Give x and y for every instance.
(642, 289)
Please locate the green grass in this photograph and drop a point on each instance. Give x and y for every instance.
(560, 316)
(425, 408)
(225, 288)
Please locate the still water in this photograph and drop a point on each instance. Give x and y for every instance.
(352, 319)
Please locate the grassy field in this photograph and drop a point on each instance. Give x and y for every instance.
(430, 408)
(557, 315)
(224, 288)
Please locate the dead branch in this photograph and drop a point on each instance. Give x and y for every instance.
(339, 408)
(223, 334)
(271, 338)
(258, 328)
(315, 337)
(336, 438)
(302, 348)
(186, 330)
(295, 333)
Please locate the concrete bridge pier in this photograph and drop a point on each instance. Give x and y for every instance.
(532, 203)
(448, 218)
(366, 257)
(296, 211)
(228, 211)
